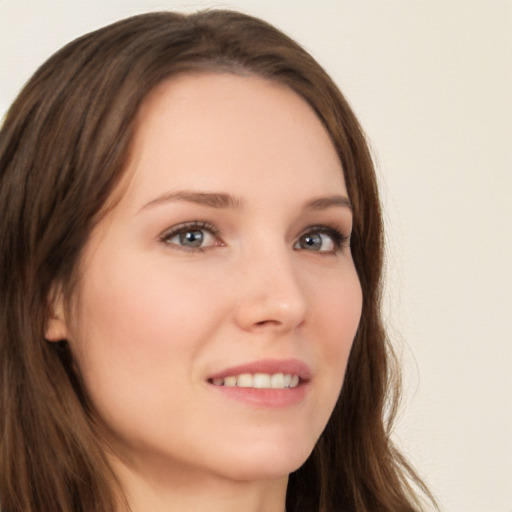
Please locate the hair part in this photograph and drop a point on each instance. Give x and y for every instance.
(63, 151)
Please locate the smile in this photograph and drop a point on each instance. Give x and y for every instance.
(258, 380)
(264, 383)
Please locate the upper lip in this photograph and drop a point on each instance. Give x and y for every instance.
(270, 366)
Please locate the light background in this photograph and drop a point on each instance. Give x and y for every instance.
(431, 82)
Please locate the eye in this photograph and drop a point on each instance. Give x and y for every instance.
(321, 239)
(192, 236)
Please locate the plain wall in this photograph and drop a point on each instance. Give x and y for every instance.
(431, 82)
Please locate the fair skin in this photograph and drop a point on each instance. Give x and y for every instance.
(227, 256)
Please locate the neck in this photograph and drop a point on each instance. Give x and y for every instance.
(186, 489)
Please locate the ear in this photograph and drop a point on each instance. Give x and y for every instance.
(56, 326)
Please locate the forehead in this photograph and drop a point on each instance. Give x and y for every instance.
(222, 129)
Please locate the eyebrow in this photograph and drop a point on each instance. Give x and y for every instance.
(211, 199)
(322, 203)
(220, 200)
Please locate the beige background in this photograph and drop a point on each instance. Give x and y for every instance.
(431, 82)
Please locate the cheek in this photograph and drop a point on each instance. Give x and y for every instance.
(338, 311)
(339, 308)
(140, 309)
(138, 332)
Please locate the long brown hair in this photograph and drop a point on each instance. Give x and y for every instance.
(63, 147)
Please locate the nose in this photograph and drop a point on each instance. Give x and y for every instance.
(270, 292)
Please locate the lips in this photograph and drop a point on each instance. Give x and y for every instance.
(268, 382)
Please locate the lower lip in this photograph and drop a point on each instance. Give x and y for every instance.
(265, 397)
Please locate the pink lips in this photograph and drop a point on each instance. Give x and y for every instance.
(266, 397)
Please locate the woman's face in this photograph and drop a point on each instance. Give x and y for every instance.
(218, 299)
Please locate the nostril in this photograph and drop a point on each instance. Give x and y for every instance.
(264, 323)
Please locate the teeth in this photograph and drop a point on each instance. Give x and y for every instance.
(230, 382)
(246, 380)
(277, 380)
(259, 381)
(262, 380)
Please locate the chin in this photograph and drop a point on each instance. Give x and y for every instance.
(264, 463)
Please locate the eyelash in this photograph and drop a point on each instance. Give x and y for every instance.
(339, 239)
(187, 227)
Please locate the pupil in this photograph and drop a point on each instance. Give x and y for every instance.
(313, 242)
(192, 238)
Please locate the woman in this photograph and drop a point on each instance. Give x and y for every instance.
(191, 261)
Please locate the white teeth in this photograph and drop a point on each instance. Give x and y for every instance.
(246, 380)
(259, 381)
(230, 382)
(277, 380)
(262, 380)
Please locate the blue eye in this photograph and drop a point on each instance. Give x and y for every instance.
(192, 236)
(321, 239)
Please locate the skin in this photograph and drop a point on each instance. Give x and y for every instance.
(156, 318)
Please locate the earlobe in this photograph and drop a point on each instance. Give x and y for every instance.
(56, 326)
